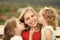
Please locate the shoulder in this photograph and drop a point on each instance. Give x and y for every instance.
(16, 38)
(48, 28)
(48, 34)
(48, 31)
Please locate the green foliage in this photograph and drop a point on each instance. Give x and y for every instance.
(8, 9)
(1, 21)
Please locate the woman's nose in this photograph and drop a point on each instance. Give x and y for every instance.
(31, 19)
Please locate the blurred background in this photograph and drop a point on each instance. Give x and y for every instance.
(8, 8)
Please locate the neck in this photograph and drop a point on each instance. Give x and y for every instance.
(36, 29)
(33, 27)
(18, 32)
(45, 24)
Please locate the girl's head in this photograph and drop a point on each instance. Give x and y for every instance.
(12, 26)
(29, 17)
(48, 15)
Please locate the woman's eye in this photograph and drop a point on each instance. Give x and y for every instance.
(32, 15)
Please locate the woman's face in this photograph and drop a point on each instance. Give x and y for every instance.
(31, 19)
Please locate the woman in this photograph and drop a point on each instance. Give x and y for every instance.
(30, 20)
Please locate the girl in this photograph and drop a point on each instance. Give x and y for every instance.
(30, 20)
(13, 29)
(47, 17)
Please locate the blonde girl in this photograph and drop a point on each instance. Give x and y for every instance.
(47, 17)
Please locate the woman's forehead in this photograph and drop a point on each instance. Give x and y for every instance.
(25, 11)
(30, 12)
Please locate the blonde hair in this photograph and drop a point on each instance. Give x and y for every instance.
(25, 10)
(9, 28)
(49, 14)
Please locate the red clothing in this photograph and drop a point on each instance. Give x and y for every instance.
(36, 35)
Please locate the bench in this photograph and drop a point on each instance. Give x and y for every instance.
(1, 31)
(57, 31)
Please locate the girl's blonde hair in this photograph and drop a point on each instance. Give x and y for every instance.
(9, 28)
(21, 17)
(49, 14)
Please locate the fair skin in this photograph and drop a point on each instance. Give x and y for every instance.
(20, 27)
(31, 19)
(48, 34)
(43, 21)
